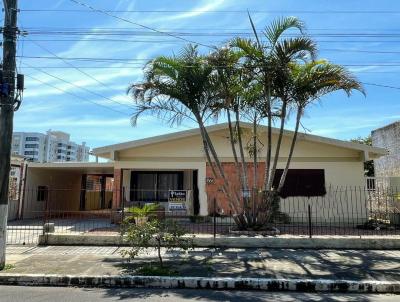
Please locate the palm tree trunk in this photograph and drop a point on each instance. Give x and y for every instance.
(245, 180)
(278, 146)
(296, 131)
(269, 139)
(255, 167)
(207, 140)
(218, 163)
(234, 152)
(241, 150)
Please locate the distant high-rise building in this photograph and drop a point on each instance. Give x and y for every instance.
(54, 146)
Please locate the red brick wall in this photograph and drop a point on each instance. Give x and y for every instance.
(214, 190)
(116, 203)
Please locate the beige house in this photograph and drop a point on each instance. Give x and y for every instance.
(147, 170)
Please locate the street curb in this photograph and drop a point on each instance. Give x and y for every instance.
(350, 243)
(264, 284)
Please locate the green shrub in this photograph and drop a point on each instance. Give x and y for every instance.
(154, 234)
(145, 211)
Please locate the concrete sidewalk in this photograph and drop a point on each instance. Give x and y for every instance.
(273, 264)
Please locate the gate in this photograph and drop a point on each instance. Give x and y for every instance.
(23, 232)
(26, 218)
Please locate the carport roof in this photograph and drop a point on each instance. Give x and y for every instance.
(84, 167)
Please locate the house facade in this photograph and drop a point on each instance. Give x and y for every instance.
(172, 167)
(144, 170)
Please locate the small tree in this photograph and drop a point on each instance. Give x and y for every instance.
(154, 234)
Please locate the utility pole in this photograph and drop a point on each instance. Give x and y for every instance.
(7, 107)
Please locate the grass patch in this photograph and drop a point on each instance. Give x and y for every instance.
(8, 267)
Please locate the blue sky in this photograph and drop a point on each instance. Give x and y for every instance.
(85, 34)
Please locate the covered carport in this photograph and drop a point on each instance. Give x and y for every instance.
(67, 187)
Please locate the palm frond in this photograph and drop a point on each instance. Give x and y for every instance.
(274, 31)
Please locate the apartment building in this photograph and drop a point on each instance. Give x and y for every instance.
(54, 146)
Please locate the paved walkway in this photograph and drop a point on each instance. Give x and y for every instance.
(273, 263)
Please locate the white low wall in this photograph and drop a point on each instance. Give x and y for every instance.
(239, 242)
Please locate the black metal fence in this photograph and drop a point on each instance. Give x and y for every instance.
(342, 211)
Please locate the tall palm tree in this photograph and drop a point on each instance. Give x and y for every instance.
(270, 57)
(310, 82)
(257, 80)
(183, 87)
(238, 95)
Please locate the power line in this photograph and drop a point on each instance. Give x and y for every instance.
(140, 61)
(335, 29)
(134, 67)
(219, 11)
(137, 24)
(76, 95)
(70, 64)
(136, 32)
(381, 85)
(92, 102)
(77, 86)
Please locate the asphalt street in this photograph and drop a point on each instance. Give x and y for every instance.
(67, 294)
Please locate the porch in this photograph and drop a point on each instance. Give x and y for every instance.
(172, 189)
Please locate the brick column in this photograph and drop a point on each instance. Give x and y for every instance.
(117, 193)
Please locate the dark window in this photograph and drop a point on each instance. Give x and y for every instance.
(31, 139)
(31, 153)
(154, 186)
(302, 182)
(58, 157)
(31, 146)
(42, 193)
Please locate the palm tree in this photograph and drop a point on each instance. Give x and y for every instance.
(236, 93)
(183, 87)
(311, 81)
(257, 80)
(270, 58)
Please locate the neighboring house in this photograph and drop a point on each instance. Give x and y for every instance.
(387, 137)
(54, 146)
(145, 170)
(387, 168)
(15, 187)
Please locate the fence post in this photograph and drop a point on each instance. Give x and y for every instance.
(309, 221)
(123, 205)
(215, 221)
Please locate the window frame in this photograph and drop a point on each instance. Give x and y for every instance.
(315, 190)
(133, 195)
(42, 193)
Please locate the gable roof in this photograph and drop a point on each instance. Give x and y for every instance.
(374, 151)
